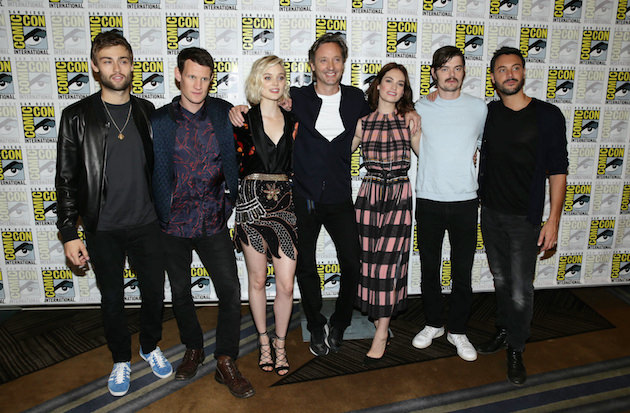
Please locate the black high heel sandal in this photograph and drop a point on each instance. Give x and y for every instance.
(264, 350)
(370, 361)
(282, 362)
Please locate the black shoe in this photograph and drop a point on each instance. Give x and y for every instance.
(335, 338)
(496, 343)
(515, 369)
(318, 344)
(371, 361)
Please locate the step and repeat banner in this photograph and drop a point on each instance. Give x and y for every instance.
(577, 53)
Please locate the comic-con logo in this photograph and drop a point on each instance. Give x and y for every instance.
(625, 199)
(143, 4)
(44, 207)
(446, 278)
(181, 32)
(610, 162)
(601, 233)
(105, 23)
(24, 285)
(41, 165)
(58, 285)
(402, 38)
(145, 33)
(39, 124)
(65, 4)
(329, 276)
(148, 79)
(618, 89)
(14, 208)
(569, 269)
(295, 34)
(533, 43)
(73, 81)
(225, 80)
(69, 34)
(504, 9)
(434, 36)
(18, 247)
(594, 49)
(200, 283)
(469, 39)
(480, 247)
(270, 281)
(29, 33)
(426, 81)
(577, 199)
(335, 25)
(220, 4)
(437, 7)
(298, 72)
(568, 11)
(367, 6)
(415, 245)
(12, 166)
(585, 125)
(9, 128)
(620, 270)
(606, 198)
(560, 83)
(49, 247)
(615, 128)
(131, 285)
(7, 89)
(362, 74)
(623, 12)
(257, 35)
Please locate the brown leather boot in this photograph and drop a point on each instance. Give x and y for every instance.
(187, 369)
(228, 374)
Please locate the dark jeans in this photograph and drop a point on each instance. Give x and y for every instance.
(340, 222)
(460, 220)
(107, 251)
(510, 242)
(217, 255)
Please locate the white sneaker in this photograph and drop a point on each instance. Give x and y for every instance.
(425, 337)
(465, 350)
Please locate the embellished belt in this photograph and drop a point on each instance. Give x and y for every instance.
(266, 177)
(385, 175)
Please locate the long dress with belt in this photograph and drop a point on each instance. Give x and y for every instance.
(384, 215)
(264, 208)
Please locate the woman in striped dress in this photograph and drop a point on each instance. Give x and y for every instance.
(384, 203)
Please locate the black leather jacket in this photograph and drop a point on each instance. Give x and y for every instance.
(81, 150)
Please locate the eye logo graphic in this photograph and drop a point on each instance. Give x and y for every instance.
(469, 38)
(569, 269)
(12, 166)
(148, 79)
(402, 38)
(610, 162)
(503, 9)
(73, 81)
(568, 11)
(601, 233)
(560, 83)
(299, 73)
(225, 81)
(200, 283)
(594, 48)
(618, 88)
(58, 285)
(181, 32)
(437, 7)
(334, 25)
(38, 123)
(585, 125)
(18, 247)
(533, 43)
(620, 270)
(29, 33)
(7, 89)
(577, 199)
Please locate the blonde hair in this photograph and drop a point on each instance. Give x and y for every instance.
(253, 84)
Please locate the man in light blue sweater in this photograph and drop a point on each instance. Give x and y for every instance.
(446, 191)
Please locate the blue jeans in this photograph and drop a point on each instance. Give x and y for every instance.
(217, 255)
(510, 242)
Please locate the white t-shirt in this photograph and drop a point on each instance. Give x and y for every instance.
(329, 122)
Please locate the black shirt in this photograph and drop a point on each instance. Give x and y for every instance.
(511, 139)
(127, 202)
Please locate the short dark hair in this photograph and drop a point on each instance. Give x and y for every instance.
(108, 39)
(329, 38)
(505, 50)
(405, 104)
(196, 54)
(444, 54)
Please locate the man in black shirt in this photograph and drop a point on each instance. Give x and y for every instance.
(524, 143)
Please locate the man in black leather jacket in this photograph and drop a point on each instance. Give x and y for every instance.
(104, 169)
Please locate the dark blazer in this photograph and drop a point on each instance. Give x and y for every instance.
(81, 149)
(165, 126)
(322, 168)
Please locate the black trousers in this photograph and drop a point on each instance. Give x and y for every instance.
(460, 220)
(340, 222)
(107, 251)
(217, 255)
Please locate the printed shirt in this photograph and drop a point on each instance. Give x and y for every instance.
(199, 206)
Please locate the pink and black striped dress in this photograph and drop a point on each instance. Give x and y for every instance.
(383, 210)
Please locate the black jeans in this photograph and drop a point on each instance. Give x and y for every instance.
(340, 222)
(217, 255)
(460, 220)
(107, 251)
(510, 242)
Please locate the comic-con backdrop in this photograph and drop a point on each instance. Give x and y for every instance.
(577, 53)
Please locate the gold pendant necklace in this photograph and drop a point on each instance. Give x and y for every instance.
(121, 136)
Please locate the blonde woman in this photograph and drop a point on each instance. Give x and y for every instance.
(265, 218)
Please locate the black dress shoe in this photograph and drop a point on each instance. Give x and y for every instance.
(496, 343)
(371, 361)
(335, 338)
(515, 369)
(318, 344)
(187, 369)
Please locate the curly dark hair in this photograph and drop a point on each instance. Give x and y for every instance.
(405, 104)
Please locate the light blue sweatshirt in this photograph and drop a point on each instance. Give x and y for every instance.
(451, 130)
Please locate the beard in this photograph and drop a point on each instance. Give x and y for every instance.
(509, 91)
(106, 83)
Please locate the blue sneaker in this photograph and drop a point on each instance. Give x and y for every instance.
(160, 365)
(118, 383)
